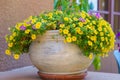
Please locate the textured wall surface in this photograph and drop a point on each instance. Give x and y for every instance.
(11, 12)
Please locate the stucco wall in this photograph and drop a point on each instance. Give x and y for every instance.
(11, 12)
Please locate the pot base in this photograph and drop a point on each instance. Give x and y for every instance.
(80, 76)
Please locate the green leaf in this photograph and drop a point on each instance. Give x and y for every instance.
(84, 5)
(97, 62)
(68, 6)
(64, 4)
(56, 4)
(75, 6)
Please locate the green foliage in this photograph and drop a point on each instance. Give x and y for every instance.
(70, 6)
(97, 62)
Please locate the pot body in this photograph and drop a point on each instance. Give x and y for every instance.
(51, 55)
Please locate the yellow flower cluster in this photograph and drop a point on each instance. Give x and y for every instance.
(19, 36)
(38, 25)
(25, 32)
(8, 52)
(33, 36)
(66, 18)
(90, 32)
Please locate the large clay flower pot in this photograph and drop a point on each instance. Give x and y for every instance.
(53, 57)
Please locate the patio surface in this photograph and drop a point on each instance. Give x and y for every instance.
(30, 73)
(25, 73)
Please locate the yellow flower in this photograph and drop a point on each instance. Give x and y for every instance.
(73, 25)
(80, 24)
(62, 25)
(106, 39)
(95, 32)
(16, 56)
(88, 27)
(87, 20)
(50, 17)
(78, 29)
(68, 39)
(88, 36)
(92, 28)
(103, 22)
(90, 43)
(60, 30)
(83, 15)
(102, 38)
(50, 14)
(66, 19)
(93, 22)
(27, 31)
(33, 21)
(11, 37)
(10, 44)
(75, 19)
(25, 24)
(65, 31)
(38, 25)
(108, 35)
(101, 44)
(14, 34)
(100, 28)
(93, 38)
(80, 32)
(7, 52)
(101, 33)
(104, 50)
(69, 34)
(91, 56)
(33, 36)
(105, 29)
(74, 38)
(18, 26)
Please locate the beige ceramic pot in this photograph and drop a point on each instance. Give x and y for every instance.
(51, 55)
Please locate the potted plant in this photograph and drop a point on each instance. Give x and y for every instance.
(62, 43)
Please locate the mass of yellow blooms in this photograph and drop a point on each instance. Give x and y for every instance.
(90, 32)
